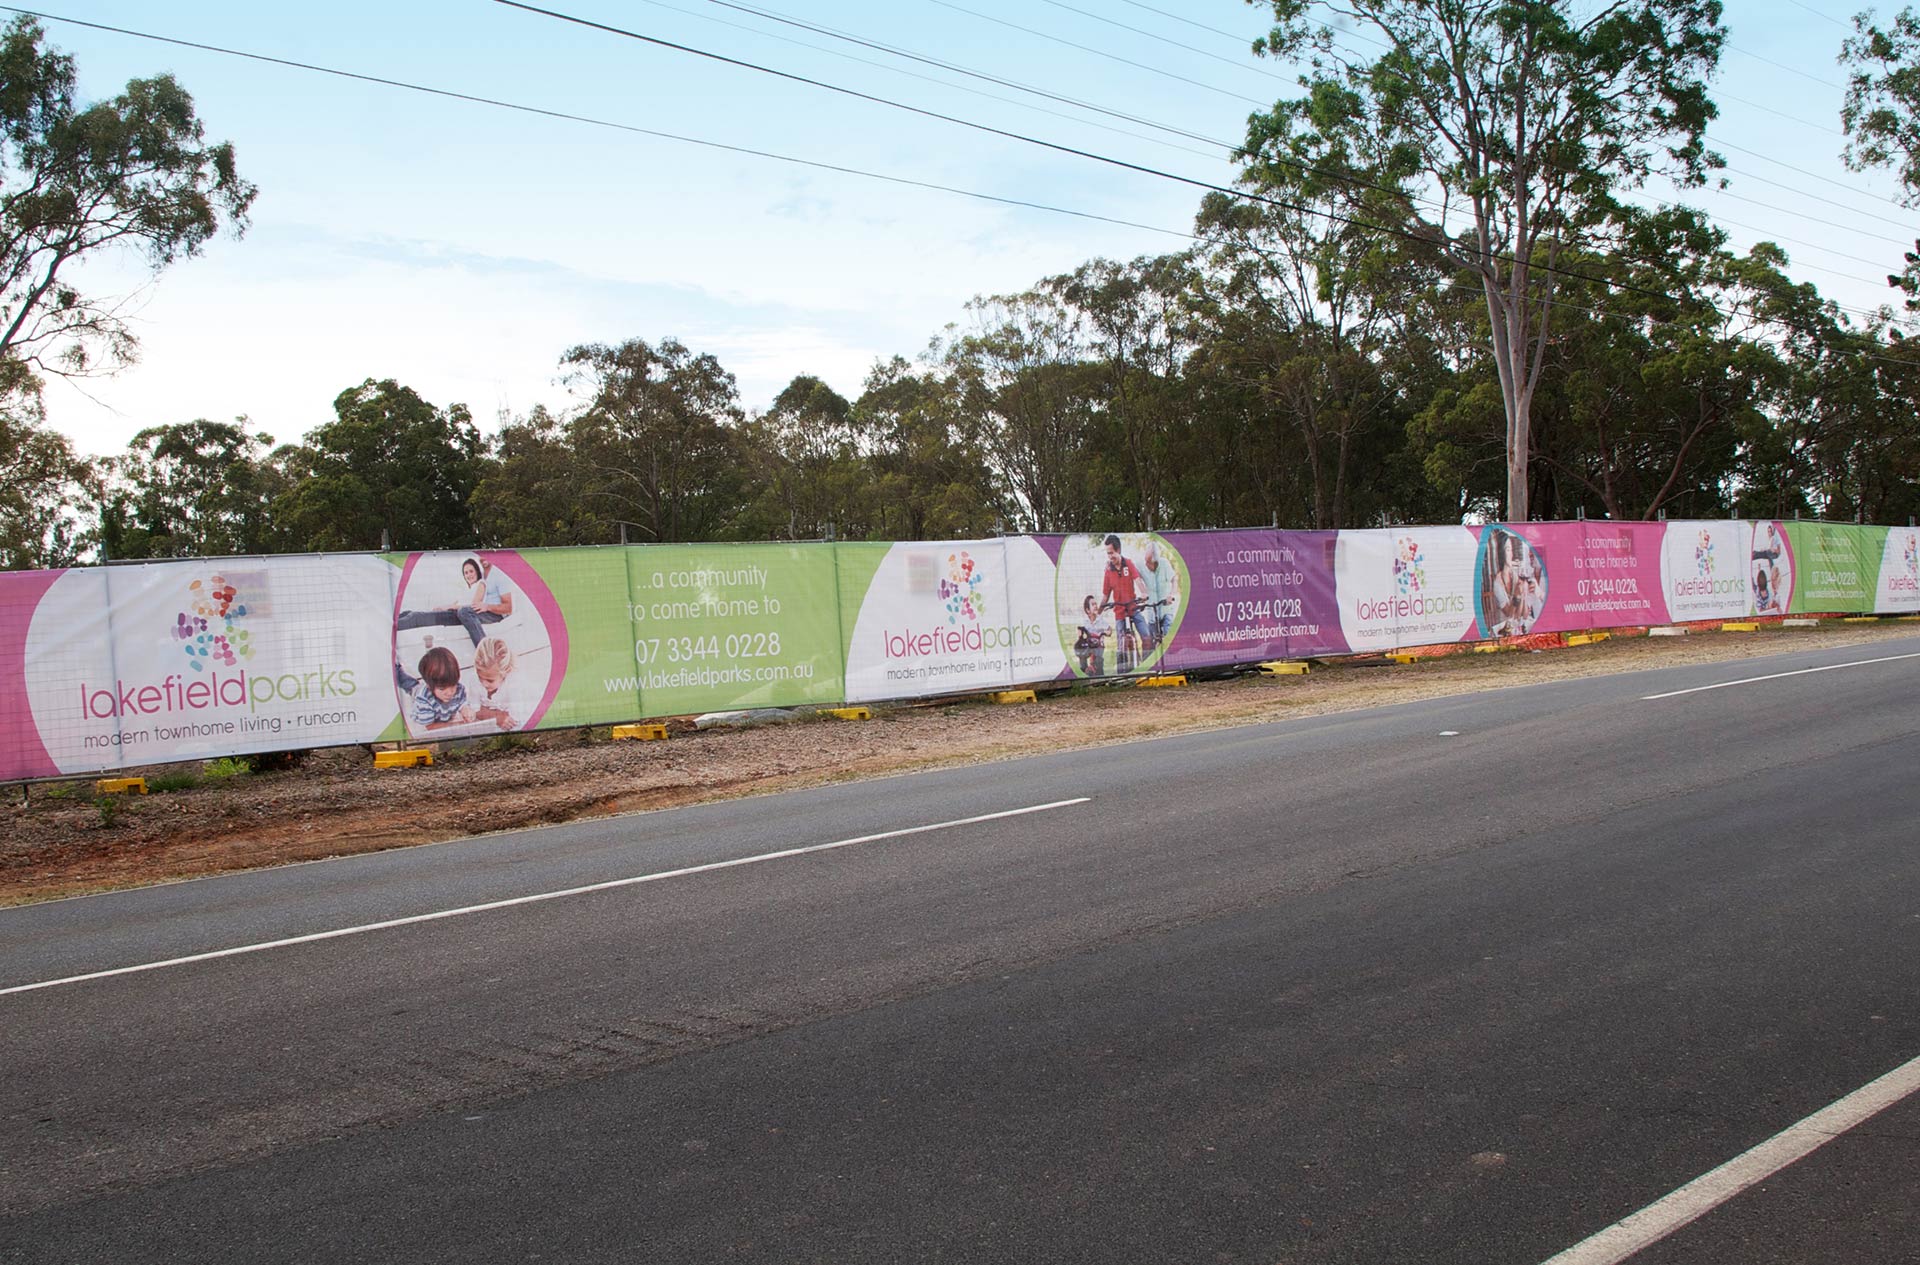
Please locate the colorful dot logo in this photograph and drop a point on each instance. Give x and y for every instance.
(960, 590)
(1703, 555)
(210, 629)
(1409, 566)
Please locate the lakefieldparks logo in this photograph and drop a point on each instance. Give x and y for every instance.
(1706, 582)
(1411, 595)
(1909, 583)
(1409, 566)
(210, 602)
(212, 633)
(960, 589)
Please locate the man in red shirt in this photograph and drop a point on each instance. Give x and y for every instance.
(1120, 592)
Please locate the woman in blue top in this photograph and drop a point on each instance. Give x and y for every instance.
(489, 600)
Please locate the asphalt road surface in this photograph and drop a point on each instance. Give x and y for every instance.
(1465, 980)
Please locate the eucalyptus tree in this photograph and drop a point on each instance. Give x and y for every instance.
(1313, 312)
(1131, 322)
(390, 470)
(534, 492)
(46, 491)
(656, 437)
(924, 449)
(1881, 115)
(78, 181)
(1024, 384)
(1499, 133)
(193, 489)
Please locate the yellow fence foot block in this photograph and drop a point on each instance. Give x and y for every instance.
(1739, 628)
(121, 786)
(1013, 696)
(639, 733)
(416, 758)
(1404, 658)
(1161, 682)
(1488, 647)
(1586, 639)
(1283, 667)
(848, 713)
(1861, 619)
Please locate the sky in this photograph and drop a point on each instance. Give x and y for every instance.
(462, 248)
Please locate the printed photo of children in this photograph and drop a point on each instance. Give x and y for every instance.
(1118, 596)
(1772, 582)
(1513, 584)
(489, 668)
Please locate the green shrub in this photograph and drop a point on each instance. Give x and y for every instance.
(178, 781)
(226, 767)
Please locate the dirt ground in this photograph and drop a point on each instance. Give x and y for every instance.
(63, 839)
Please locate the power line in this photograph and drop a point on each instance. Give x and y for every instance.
(1241, 39)
(1057, 147)
(589, 120)
(1247, 66)
(944, 83)
(1349, 180)
(1112, 57)
(1782, 114)
(1734, 196)
(1792, 70)
(1815, 219)
(1787, 166)
(1385, 45)
(1229, 146)
(958, 69)
(1799, 192)
(1180, 17)
(1818, 14)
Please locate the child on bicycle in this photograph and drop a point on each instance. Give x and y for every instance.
(1089, 648)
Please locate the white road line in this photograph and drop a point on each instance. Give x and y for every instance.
(1775, 676)
(1703, 1194)
(536, 898)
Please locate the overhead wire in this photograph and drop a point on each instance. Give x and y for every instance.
(1112, 57)
(1058, 147)
(588, 120)
(910, 55)
(1780, 65)
(1378, 43)
(591, 121)
(1158, 38)
(774, 15)
(1818, 14)
(944, 83)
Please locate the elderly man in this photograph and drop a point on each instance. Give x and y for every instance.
(1160, 584)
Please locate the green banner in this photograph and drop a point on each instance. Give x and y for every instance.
(1837, 565)
(752, 624)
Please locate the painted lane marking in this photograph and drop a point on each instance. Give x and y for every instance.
(1775, 676)
(1703, 1194)
(536, 898)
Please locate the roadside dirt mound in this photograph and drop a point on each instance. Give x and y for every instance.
(64, 840)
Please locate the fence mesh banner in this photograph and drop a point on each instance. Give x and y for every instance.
(105, 668)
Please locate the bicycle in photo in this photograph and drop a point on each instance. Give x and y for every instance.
(1128, 651)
